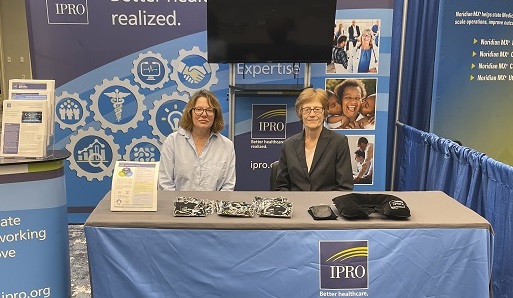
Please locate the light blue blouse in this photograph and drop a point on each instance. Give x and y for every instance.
(181, 168)
(365, 57)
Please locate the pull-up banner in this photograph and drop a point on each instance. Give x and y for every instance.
(474, 75)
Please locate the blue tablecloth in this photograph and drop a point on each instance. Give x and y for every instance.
(364, 262)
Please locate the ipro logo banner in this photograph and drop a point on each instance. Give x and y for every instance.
(269, 121)
(344, 265)
(67, 11)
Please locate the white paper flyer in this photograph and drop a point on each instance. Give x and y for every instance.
(134, 186)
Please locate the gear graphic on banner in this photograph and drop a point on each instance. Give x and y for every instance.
(192, 72)
(117, 105)
(151, 71)
(143, 149)
(93, 154)
(166, 113)
(70, 111)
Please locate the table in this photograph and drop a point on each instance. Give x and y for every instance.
(34, 248)
(443, 250)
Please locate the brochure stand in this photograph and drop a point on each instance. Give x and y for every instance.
(28, 120)
(33, 212)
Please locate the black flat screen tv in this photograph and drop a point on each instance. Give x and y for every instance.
(260, 31)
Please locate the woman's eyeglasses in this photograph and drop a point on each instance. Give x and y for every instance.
(307, 111)
(199, 111)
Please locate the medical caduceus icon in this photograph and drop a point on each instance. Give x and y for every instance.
(117, 98)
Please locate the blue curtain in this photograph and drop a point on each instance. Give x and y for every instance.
(456, 170)
(498, 210)
(428, 162)
(418, 67)
(412, 160)
(418, 63)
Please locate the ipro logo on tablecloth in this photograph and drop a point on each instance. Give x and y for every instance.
(344, 265)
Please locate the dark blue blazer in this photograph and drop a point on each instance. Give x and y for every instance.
(331, 165)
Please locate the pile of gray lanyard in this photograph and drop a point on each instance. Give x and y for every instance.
(267, 207)
(192, 207)
(273, 207)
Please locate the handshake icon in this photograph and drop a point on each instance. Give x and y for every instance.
(195, 73)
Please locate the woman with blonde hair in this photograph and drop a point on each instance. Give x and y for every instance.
(316, 158)
(364, 57)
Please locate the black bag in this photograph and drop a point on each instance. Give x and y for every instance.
(358, 205)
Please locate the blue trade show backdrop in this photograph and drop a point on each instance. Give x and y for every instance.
(121, 86)
(478, 83)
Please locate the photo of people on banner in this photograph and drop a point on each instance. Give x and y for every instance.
(355, 47)
(362, 163)
(351, 103)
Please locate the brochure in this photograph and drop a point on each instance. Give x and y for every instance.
(23, 89)
(37, 95)
(24, 128)
(134, 186)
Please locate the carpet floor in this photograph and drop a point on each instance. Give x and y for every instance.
(80, 286)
